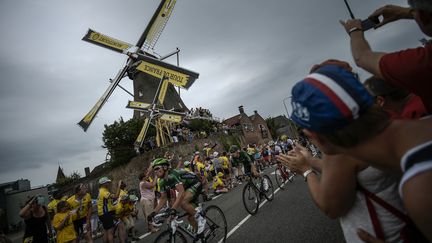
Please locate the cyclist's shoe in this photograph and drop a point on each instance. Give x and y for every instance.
(201, 223)
(265, 185)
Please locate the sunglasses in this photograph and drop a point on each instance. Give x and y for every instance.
(157, 168)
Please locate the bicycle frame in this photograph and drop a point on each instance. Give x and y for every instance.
(283, 170)
(174, 224)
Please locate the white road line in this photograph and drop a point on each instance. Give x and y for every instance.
(144, 235)
(213, 198)
(235, 227)
(246, 218)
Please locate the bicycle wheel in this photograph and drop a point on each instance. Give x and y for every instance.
(166, 237)
(280, 181)
(251, 198)
(216, 223)
(268, 192)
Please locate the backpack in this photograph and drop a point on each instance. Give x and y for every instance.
(409, 233)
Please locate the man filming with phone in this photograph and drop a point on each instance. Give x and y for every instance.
(410, 69)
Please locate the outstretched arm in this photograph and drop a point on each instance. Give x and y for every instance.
(334, 191)
(362, 53)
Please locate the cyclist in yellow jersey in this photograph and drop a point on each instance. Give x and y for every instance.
(106, 210)
(81, 202)
(63, 223)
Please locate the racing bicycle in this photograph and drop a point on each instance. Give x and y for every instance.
(283, 174)
(215, 229)
(254, 190)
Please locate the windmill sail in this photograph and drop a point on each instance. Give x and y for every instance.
(157, 24)
(149, 38)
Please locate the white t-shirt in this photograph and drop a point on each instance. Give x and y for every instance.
(386, 188)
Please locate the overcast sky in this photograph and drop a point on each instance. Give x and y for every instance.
(247, 52)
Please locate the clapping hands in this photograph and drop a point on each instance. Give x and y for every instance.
(297, 159)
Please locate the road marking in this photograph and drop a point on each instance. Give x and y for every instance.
(213, 198)
(144, 235)
(247, 217)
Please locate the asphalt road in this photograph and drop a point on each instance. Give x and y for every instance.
(290, 217)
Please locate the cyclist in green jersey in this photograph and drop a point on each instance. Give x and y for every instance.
(241, 157)
(188, 187)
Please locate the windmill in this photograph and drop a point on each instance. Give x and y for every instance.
(158, 76)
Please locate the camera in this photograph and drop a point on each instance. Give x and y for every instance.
(369, 23)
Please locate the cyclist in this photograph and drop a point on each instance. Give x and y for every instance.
(241, 157)
(188, 187)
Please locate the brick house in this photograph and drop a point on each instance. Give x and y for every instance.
(253, 129)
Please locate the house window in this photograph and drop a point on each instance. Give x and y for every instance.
(263, 130)
(248, 127)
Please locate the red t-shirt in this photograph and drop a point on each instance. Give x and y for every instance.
(413, 110)
(410, 69)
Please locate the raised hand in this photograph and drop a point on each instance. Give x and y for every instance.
(296, 160)
(391, 13)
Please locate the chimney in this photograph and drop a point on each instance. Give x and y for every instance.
(256, 112)
(241, 109)
(87, 171)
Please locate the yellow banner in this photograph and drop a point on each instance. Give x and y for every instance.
(138, 105)
(106, 41)
(142, 134)
(157, 71)
(163, 90)
(171, 118)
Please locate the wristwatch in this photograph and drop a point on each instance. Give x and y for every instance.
(354, 29)
(306, 173)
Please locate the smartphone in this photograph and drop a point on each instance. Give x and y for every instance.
(366, 24)
(369, 23)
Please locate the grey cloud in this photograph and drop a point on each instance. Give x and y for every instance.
(248, 52)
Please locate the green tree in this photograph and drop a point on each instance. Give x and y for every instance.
(119, 138)
(201, 125)
(271, 124)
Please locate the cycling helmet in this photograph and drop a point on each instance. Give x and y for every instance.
(233, 149)
(186, 163)
(160, 161)
(104, 180)
(133, 198)
(271, 143)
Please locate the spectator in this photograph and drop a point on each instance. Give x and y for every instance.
(147, 185)
(411, 68)
(174, 134)
(81, 202)
(398, 102)
(218, 184)
(338, 114)
(63, 223)
(106, 210)
(52, 205)
(36, 220)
